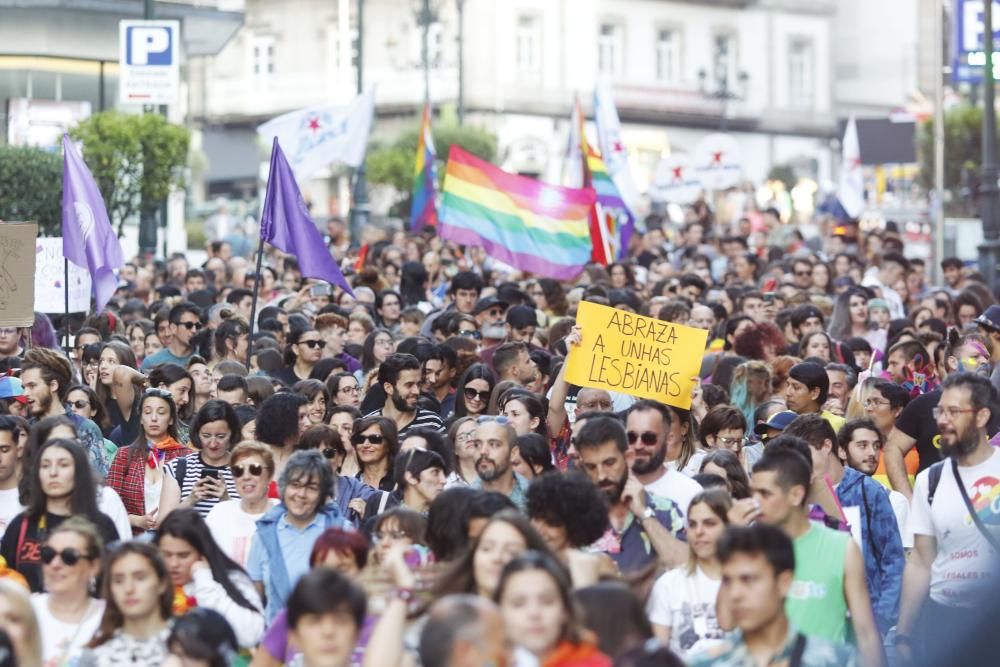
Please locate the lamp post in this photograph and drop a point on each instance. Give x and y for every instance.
(359, 198)
(148, 209)
(989, 251)
(426, 16)
(461, 62)
(723, 89)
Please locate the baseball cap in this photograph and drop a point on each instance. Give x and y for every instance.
(488, 302)
(10, 387)
(779, 421)
(990, 319)
(519, 317)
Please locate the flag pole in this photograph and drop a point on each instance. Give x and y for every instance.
(253, 305)
(66, 294)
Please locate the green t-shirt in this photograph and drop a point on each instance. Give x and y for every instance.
(816, 602)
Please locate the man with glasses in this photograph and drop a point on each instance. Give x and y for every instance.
(185, 322)
(493, 441)
(279, 553)
(84, 337)
(956, 522)
(647, 428)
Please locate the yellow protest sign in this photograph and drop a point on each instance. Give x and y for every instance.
(635, 355)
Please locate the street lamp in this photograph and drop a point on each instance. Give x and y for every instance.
(722, 89)
(989, 251)
(426, 17)
(359, 200)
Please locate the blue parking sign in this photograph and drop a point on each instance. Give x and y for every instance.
(149, 61)
(968, 58)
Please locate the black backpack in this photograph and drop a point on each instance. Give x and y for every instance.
(933, 479)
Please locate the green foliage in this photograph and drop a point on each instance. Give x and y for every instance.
(134, 159)
(31, 187)
(963, 150)
(783, 173)
(392, 164)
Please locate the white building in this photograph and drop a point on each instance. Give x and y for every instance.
(525, 60)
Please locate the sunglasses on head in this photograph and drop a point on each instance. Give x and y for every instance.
(373, 438)
(486, 419)
(255, 470)
(69, 555)
(647, 437)
(472, 394)
(313, 344)
(190, 325)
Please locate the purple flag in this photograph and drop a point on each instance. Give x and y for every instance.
(285, 224)
(88, 239)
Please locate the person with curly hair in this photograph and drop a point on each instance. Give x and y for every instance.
(762, 341)
(570, 513)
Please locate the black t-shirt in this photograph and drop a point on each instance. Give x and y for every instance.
(123, 433)
(22, 543)
(287, 376)
(917, 421)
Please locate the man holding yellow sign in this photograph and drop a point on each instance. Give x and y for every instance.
(632, 354)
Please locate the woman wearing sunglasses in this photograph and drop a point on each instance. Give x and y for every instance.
(71, 561)
(207, 577)
(62, 486)
(137, 470)
(349, 494)
(304, 349)
(474, 389)
(202, 479)
(376, 444)
(233, 522)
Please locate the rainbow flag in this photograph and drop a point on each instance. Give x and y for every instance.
(612, 216)
(423, 209)
(531, 225)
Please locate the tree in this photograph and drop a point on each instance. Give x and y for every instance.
(31, 187)
(392, 164)
(135, 159)
(963, 150)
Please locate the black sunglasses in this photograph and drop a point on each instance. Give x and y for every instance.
(190, 325)
(255, 470)
(648, 437)
(80, 405)
(471, 395)
(475, 335)
(313, 344)
(69, 555)
(373, 438)
(331, 453)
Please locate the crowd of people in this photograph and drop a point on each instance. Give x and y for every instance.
(402, 475)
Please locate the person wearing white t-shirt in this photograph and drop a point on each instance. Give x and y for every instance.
(234, 522)
(10, 471)
(647, 427)
(681, 606)
(954, 549)
(67, 613)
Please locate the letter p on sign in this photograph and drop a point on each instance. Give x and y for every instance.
(149, 45)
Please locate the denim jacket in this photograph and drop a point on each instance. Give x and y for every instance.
(880, 543)
(279, 586)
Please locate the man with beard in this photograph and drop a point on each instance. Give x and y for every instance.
(917, 426)
(860, 448)
(955, 520)
(401, 377)
(494, 439)
(46, 376)
(647, 428)
(644, 527)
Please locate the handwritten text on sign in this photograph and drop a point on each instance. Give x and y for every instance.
(636, 355)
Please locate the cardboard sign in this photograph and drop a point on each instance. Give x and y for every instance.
(50, 280)
(636, 355)
(17, 271)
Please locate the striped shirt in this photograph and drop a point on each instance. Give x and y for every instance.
(424, 419)
(193, 468)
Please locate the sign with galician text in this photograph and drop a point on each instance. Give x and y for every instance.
(149, 62)
(636, 355)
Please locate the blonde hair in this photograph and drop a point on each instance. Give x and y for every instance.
(85, 529)
(251, 448)
(856, 405)
(30, 654)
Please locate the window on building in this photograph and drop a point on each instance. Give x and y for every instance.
(611, 49)
(528, 46)
(435, 44)
(668, 55)
(800, 73)
(726, 59)
(263, 56)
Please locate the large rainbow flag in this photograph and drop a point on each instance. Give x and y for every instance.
(531, 225)
(423, 209)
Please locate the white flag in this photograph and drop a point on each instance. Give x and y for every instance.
(609, 140)
(317, 137)
(851, 189)
(573, 160)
